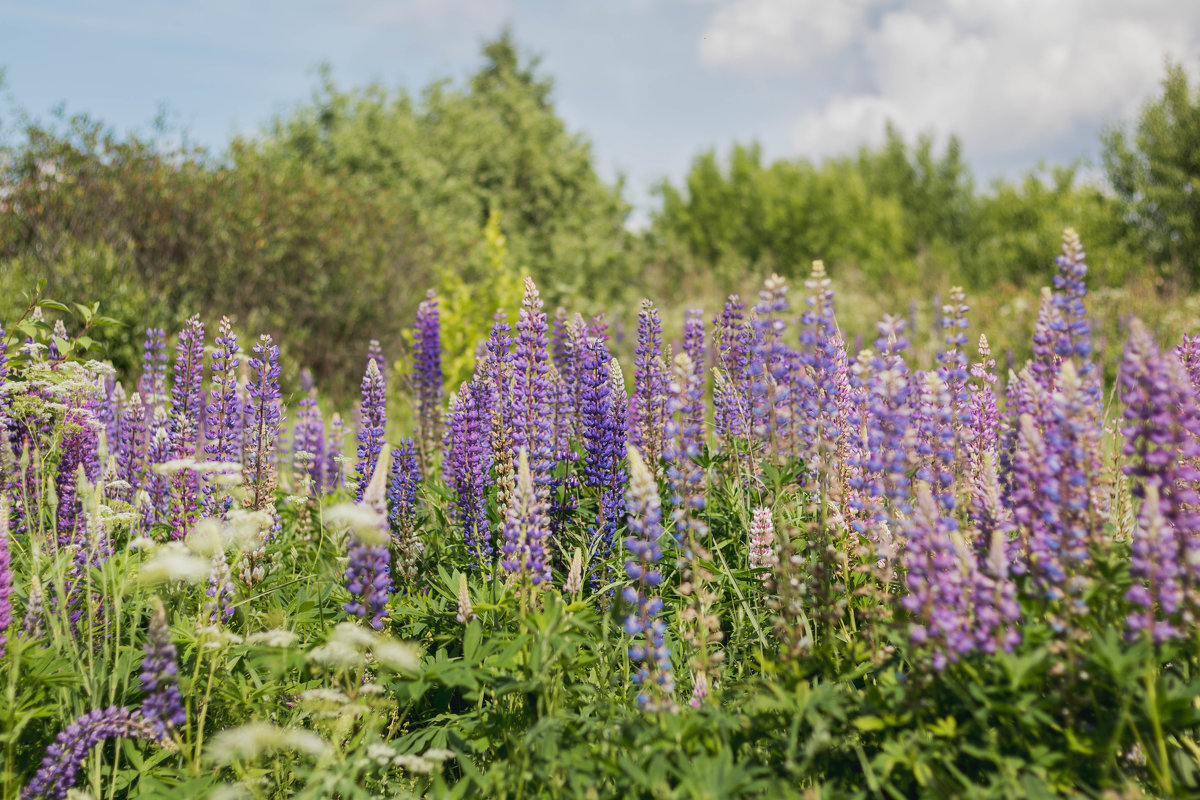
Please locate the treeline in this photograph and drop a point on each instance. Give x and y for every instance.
(332, 222)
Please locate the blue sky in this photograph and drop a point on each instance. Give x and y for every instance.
(651, 83)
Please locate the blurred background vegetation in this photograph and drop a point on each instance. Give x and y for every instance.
(327, 227)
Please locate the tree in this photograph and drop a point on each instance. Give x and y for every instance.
(1155, 169)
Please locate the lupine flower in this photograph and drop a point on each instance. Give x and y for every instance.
(218, 607)
(937, 593)
(153, 384)
(762, 542)
(402, 508)
(684, 476)
(574, 582)
(732, 401)
(186, 399)
(368, 576)
(59, 334)
(335, 474)
(32, 625)
(427, 375)
(604, 439)
(823, 374)
(375, 353)
(693, 345)
(648, 650)
(372, 426)
(223, 425)
(163, 705)
(648, 410)
(772, 366)
(310, 440)
(467, 463)
(6, 576)
(1162, 436)
(532, 417)
(157, 485)
(262, 429)
(526, 529)
(60, 767)
(1075, 339)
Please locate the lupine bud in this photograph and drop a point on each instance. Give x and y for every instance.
(163, 705)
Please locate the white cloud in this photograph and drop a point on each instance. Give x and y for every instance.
(1005, 75)
(780, 34)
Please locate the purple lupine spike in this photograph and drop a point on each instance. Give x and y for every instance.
(152, 386)
(184, 428)
(79, 452)
(685, 476)
(427, 376)
(5, 399)
(6, 576)
(1047, 334)
(109, 411)
(467, 462)
(1188, 351)
(372, 426)
(155, 484)
(218, 608)
(774, 361)
(1075, 340)
(597, 328)
(375, 353)
(985, 414)
(59, 334)
(60, 767)
(368, 569)
(1162, 439)
(262, 426)
(532, 411)
(953, 364)
(937, 591)
(335, 472)
(403, 483)
(888, 435)
(732, 397)
(526, 529)
(649, 650)
(163, 704)
(604, 439)
(223, 428)
(817, 421)
(649, 406)
(562, 349)
(310, 441)
(693, 345)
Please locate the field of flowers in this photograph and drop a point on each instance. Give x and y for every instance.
(749, 564)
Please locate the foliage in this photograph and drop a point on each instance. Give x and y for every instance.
(1155, 170)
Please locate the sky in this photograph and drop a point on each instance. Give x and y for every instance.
(650, 83)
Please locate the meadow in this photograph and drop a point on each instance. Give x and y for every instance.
(757, 561)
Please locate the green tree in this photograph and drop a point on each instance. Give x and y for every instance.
(1155, 169)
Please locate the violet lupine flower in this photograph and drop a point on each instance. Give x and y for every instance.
(817, 413)
(467, 463)
(60, 767)
(218, 607)
(937, 595)
(310, 440)
(684, 435)
(79, 453)
(335, 472)
(1075, 339)
(59, 334)
(1188, 351)
(427, 375)
(368, 567)
(985, 415)
(648, 650)
(109, 410)
(526, 529)
(532, 410)
(772, 365)
(1047, 346)
(762, 542)
(6, 577)
(693, 345)
(402, 508)
(604, 440)
(371, 426)
(731, 398)
(5, 400)
(648, 410)
(375, 353)
(184, 425)
(156, 485)
(954, 372)
(598, 328)
(152, 386)
(223, 428)
(163, 705)
(262, 425)
(563, 352)
(1162, 437)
